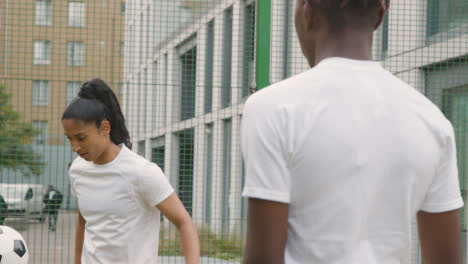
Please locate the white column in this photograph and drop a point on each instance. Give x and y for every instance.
(198, 174)
(173, 88)
(200, 72)
(217, 177)
(218, 61)
(236, 175)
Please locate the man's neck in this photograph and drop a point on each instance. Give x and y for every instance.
(350, 44)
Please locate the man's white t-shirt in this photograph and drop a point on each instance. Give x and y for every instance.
(118, 201)
(356, 153)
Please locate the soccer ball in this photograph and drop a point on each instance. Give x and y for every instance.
(13, 249)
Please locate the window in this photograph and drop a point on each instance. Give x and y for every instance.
(154, 100)
(29, 194)
(385, 36)
(208, 173)
(187, 102)
(185, 179)
(122, 46)
(144, 101)
(157, 156)
(227, 59)
(447, 16)
(226, 174)
(120, 92)
(141, 148)
(76, 14)
(72, 91)
(209, 67)
(122, 8)
(75, 53)
(382, 39)
(248, 78)
(42, 127)
(42, 52)
(157, 152)
(40, 95)
(43, 13)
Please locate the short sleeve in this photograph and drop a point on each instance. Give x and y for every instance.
(153, 186)
(263, 150)
(444, 193)
(71, 175)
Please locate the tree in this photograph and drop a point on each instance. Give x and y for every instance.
(15, 136)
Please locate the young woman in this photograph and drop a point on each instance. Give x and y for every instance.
(120, 194)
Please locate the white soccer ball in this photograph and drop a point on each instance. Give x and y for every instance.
(13, 249)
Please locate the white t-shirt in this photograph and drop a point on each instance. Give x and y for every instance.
(356, 153)
(118, 201)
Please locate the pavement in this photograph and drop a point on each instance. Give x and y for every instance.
(58, 247)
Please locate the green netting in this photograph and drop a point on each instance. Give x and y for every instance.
(182, 70)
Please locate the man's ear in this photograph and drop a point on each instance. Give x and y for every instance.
(384, 5)
(311, 14)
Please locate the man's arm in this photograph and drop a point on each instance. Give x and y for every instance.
(267, 231)
(440, 237)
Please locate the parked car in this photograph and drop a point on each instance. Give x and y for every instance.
(23, 200)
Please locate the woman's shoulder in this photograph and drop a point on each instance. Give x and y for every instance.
(133, 163)
(131, 158)
(78, 163)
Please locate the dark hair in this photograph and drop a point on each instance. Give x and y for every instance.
(97, 102)
(351, 12)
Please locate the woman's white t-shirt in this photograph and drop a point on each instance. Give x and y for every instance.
(118, 201)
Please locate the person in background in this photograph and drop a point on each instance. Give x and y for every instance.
(52, 200)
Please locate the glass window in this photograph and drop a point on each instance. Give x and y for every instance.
(42, 127)
(447, 16)
(43, 13)
(187, 102)
(42, 52)
(75, 54)
(227, 58)
(185, 179)
(141, 148)
(248, 78)
(29, 195)
(72, 90)
(122, 46)
(208, 173)
(122, 8)
(209, 67)
(40, 94)
(226, 174)
(157, 152)
(76, 14)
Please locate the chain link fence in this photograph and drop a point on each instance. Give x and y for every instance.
(182, 70)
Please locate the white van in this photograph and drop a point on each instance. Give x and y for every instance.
(24, 200)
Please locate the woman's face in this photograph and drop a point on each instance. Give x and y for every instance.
(86, 139)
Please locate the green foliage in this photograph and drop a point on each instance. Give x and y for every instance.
(15, 136)
(220, 246)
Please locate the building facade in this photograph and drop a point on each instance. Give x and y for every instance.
(47, 50)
